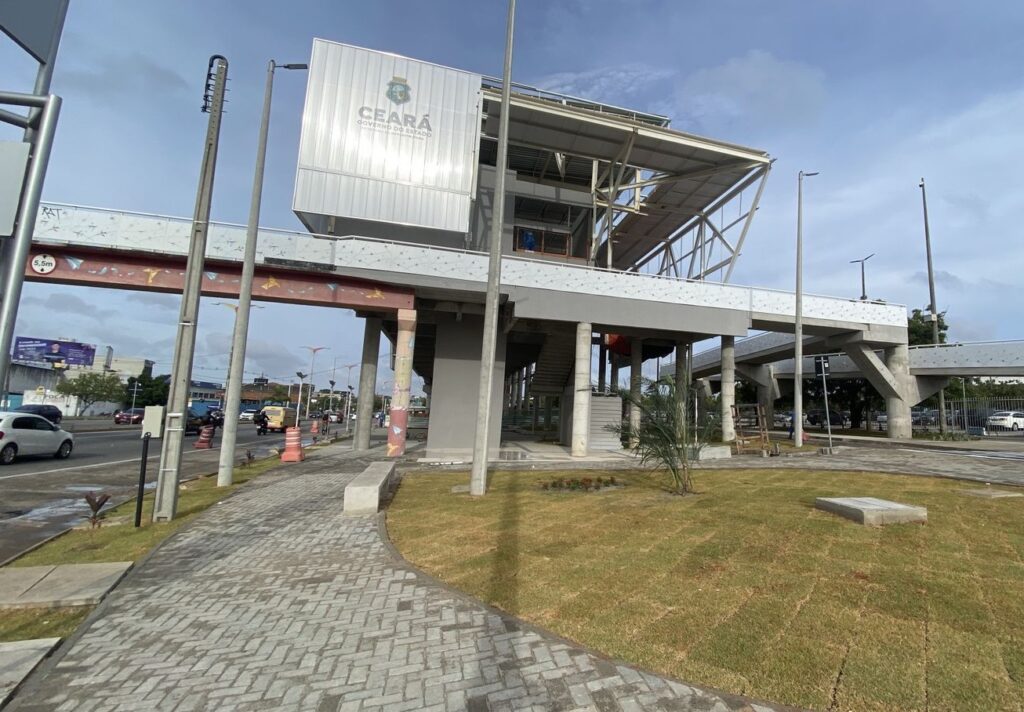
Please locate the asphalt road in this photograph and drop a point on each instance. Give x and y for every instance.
(41, 496)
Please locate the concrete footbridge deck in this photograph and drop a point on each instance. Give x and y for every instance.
(90, 246)
(967, 359)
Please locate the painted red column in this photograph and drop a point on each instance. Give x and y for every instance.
(404, 344)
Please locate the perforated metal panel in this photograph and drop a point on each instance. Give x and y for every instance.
(387, 138)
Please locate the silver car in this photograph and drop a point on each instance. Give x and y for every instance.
(25, 434)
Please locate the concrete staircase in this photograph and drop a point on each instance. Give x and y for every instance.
(555, 363)
(605, 411)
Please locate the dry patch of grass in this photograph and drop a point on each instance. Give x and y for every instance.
(746, 587)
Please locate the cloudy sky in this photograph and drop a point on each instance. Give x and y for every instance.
(873, 95)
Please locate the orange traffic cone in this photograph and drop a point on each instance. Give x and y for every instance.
(315, 428)
(205, 441)
(292, 446)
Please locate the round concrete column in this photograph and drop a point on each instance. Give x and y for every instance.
(367, 384)
(897, 360)
(581, 392)
(636, 360)
(404, 346)
(727, 399)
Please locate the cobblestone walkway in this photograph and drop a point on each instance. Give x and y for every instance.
(273, 600)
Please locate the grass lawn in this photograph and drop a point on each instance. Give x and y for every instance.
(113, 543)
(746, 587)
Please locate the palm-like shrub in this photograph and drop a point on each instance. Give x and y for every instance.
(668, 435)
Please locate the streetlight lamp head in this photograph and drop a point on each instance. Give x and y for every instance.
(294, 66)
(808, 175)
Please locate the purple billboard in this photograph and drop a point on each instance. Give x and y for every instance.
(60, 353)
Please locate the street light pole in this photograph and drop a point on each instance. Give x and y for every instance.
(934, 316)
(298, 403)
(863, 283)
(312, 360)
(478, 478)
(798, 320)
(236, 366)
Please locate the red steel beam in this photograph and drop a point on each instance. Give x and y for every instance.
(155, 273)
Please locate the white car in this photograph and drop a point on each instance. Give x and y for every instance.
(1006, 420)
(248, 414)
(24, 434)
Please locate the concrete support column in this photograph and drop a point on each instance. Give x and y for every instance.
(681, 386)
(547, 411)
(367, 384)
(602, 367)
(727, 399)
(636, 356)
(614, 372)
(897, 360)
(404, 345)
(581, 393)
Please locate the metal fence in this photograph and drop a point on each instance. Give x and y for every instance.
(991, 417)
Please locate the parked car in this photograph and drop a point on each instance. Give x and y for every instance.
(194, 422)
(1006, 420)
(836, 419)
(50, 412)
(248, 414)
(27, 434)
(129, 416)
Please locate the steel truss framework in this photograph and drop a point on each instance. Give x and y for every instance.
(702, 235)
(618, 189)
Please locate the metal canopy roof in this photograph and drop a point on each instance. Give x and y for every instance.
(698, 172)
(590, 134)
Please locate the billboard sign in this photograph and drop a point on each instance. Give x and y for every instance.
(59, 353)
(388, 139)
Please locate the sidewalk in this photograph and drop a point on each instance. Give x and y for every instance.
(273, 600)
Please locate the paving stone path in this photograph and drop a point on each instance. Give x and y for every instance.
(273, 600)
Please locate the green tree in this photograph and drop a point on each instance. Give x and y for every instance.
(92, 387)
(151, 391)
(278, 394)
(919, 328)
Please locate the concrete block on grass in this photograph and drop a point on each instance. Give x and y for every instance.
(18, 659)
(992, 493)
(363, 494)
(55, 586)
(872, 511)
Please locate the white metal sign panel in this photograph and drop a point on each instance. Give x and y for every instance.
(387, 138)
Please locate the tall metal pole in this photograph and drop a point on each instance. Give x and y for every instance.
(14, 252)
(236, 369)
(309, 392)
(166, 503)
(863, 280)
(20, 242)
(934, 316)
(798, 319)
(478, 478)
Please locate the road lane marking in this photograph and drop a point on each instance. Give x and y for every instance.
(102, 464)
